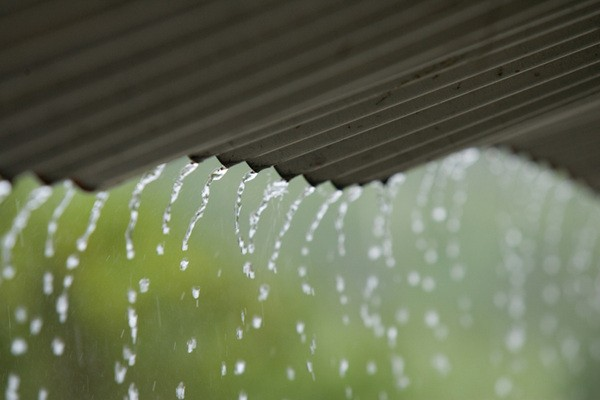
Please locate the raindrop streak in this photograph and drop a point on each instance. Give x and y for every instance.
(287, 224)
(353, 194)
(177, 185)
(134, 205)
(273, 191)
(214, 176)
(36, 199)
(101, 198)
(333, 197)
(58, 212)
(12, 387)
(238, 208)
(5, 190)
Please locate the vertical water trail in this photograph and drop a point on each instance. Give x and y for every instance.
(273, 191)
(353, 194)
(5, 189)
(82, 241)
(36, 199)
(250, 175)
(333, 197)
(177, 185)
(134, 205)
(215, 175)
(58, 212)
(287, 224)
(386, 208)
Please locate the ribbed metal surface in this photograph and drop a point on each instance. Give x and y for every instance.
(346, 91)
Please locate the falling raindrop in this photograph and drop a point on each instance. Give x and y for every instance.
(239, 368)
(250, 175)
(289, 216)
(177, 185)
(62, 307)
(180, 391)
(120, 372)
(183, 264)
(191, 345)
(134, 205)
(144, 285)
(5, 189)
(58, 346)
(216, 175)
(42, 394)
(35, 326)
(133, 392)
(263, 292)
(18, 346)
(196, 292)
(12, 387)
(72, 262)
(58, 212)
(248, 270)
(132, 319)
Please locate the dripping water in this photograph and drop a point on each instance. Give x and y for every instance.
(134, 205)
(216, 175)
(58, 212)
(273, 191)
(5, 190)
(287, 223)
(250, 175)
(177, 185)
(353, 194)
(333, 197)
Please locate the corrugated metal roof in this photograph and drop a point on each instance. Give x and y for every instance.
(346, 91)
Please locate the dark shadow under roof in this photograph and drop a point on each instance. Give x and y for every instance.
(347, 91)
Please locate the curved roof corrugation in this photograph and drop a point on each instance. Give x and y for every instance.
(347, 91)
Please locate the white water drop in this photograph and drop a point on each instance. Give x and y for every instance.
(35, 326)
(180, 391)
(371, 368)
(515, 339)
(134, 205)
(263, 292)
(273, 191)
(35, 200)
(160, 249)
(290, 373)
(42, 394)
(191, 345)
(21, 314)
(239, 333)
(132, 319)
(286, 226)
(18, 346)
(256, 322)
(503, 387)
(343, 368)
(58, 346)
(62, 307)
(99, 202)
(120, 372)
(248, 270)
(58, 212)
(68, 281)
(223, 369)
(133, 393)
(237, 210)
(441, 364)
(72, 262)
(129, 356)
(432, 318)
(243, 396)
(177, 185)
(5, 190)
(216, 175)
(144, 285)
(131, 296)
(184, 264)
(196, 292)
(239, 368)
(12, 387)
(439, 214)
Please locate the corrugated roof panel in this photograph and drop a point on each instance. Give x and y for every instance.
(346, 91)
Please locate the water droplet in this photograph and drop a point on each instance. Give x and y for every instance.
(62, 307)
(144, 285)
(35, 326)
(132, 321)
(191, 345)
(431, 318)
(439, 214)
(21, 314)
(256, 322)
(129, 356)
(333, 197)
(248, 270)
(243, 396)
(239, 368)
(120, 371)
(18, 346)
(263, 292)
(290, 373)
(133, 393)
(58, 346)
(250, 175)
(223, 369)
(239, 333)
(273, 191)
(216, 175)
(371, 368)
(177, 185)
(68, 281)
(343, 368)
(184, 264)
(72, 262)
(180, 391)
(160, 249)
(503, 387)
(42, 394)
(12, 388)
(196, 292)
(515, 339)
(441, 364)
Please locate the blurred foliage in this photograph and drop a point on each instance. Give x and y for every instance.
(495, 291)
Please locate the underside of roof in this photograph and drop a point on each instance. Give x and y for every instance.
(347, 91)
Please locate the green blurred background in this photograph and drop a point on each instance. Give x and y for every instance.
(494, 291)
